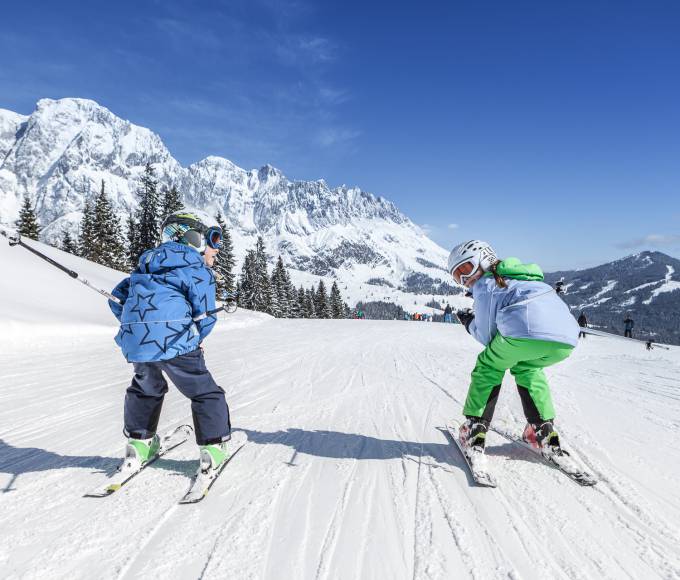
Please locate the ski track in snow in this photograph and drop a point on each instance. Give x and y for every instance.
(348, 472)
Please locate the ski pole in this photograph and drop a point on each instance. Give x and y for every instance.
(15, 240)
(617, 336)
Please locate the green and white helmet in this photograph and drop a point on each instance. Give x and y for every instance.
(194, 228)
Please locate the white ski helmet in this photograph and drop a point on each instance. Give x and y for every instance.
(478, 254)
(193, 228)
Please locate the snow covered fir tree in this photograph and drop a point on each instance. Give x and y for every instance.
(101, 238)
(27, 224)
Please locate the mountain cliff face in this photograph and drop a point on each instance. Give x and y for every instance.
(645, 286)
(61, 152)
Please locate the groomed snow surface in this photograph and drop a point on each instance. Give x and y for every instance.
(347, 474)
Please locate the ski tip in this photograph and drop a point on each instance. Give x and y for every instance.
(103, 493)
(194, 498)
(486, 483)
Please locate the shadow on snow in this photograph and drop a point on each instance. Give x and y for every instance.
(16, 461)
(337, 445)
(330, 444)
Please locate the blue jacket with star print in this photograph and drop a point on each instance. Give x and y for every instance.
(160, 301)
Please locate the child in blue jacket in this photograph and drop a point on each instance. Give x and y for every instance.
(163, 314)
(524, 327)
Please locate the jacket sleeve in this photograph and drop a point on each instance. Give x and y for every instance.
(121, 292)
(483, 325)
(202, 299)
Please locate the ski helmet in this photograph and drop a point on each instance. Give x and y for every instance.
(193, 228)
(466, 259)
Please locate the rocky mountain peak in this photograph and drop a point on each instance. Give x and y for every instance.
(60, 154)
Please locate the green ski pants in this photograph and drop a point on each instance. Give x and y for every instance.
(525, 358)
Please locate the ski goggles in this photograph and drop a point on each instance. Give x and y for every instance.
(184, 234)
(213, 237)
(463, 272)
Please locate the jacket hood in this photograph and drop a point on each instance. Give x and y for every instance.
(513, 268)
(168, 256)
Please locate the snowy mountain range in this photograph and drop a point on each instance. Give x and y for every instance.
(645, 286)
(61, 152)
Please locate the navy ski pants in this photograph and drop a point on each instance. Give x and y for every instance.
(144, 397)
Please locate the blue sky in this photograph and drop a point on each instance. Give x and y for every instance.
(552, 130)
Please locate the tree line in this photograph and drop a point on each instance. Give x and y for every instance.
(275, 294)
(103, 239)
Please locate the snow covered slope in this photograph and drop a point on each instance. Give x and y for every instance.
(40, 300)
(60, 154)
(347, 475)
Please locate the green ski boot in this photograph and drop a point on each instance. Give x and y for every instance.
(142, 450)
(213, 456)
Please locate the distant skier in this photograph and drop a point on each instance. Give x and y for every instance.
(524, 327)
(583, 323)
(649, 344)
(448, 313)
(172, 287)
(628, 325)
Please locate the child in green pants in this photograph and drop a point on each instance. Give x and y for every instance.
(525, 327)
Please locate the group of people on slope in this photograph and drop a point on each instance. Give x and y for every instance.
(164, 315)
(628, 325)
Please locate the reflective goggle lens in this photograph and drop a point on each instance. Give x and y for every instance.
(464, 269)
(214, 238)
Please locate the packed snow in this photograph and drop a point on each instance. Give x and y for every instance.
(348, 472)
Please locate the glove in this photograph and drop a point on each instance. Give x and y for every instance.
(465, 317)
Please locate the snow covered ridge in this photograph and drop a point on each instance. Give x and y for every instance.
(61, 152)
(645, 286)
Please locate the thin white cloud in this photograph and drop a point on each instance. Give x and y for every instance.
(453, 226)
(652, 240)
(330, 136)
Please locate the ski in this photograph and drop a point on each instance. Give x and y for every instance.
(204, 479)
(476, 461)
(564, 463)
(129, 468)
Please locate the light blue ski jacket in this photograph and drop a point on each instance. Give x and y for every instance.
(525, 309)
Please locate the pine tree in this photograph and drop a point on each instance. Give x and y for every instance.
(172, 202)
(321, 306)
(292, 297)
(87, 234)
(280, 300)
(224, 261)
(277, 309)
(237, 293)
(67, 243)
(149, 208)
(248, 281)
(27, 224)
(336, 304)
(301, 305)
(134, 249)
(106, 246)
(309, 303)
(262, 291)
